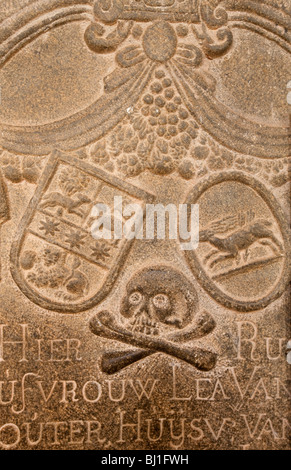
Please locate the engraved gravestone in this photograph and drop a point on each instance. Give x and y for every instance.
(130, 340)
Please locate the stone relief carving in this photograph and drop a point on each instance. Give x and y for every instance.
(158, 110)
(159, 305)
(209, 326)
(187, 37)
(55, 260)
(244, 242)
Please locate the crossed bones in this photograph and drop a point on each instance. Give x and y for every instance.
(103, 324)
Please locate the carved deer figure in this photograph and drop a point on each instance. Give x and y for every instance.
(71, 205)
(240, 241)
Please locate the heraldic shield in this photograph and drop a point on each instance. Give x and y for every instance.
(55, 260)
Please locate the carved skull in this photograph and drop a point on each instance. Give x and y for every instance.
(159, 297)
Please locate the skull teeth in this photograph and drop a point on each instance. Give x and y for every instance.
(145, 325)
(145, 330)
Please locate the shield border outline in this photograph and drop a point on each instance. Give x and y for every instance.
(199, 272)
(55, 159)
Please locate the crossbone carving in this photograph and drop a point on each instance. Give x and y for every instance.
(159, 306)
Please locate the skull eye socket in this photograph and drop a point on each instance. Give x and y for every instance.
(135, 298)
(161, 301)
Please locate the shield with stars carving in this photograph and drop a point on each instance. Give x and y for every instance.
(56, 261)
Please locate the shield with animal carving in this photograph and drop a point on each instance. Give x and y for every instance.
(243, 257)
(56, 261)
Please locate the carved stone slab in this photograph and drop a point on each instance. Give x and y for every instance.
(135, 343)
